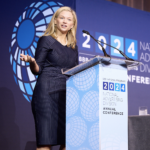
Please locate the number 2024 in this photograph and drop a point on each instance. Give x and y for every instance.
(131, 49)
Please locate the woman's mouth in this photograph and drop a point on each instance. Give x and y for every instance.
(64, 26)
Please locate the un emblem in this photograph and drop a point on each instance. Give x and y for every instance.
(29, 26)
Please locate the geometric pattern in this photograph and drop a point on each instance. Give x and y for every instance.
(72, 101)
(27, 30)
(82, 117)
(94, 136)
(90, 106)
(76, 131)
(85, 79)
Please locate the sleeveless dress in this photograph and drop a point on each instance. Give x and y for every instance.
(49, 96)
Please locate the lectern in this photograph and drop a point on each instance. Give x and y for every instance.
(97, 105)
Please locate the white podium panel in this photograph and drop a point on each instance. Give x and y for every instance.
(96, 109)
(113, 108)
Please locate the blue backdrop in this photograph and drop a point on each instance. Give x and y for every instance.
(122, 27)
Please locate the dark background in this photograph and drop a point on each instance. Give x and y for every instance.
(138, 4)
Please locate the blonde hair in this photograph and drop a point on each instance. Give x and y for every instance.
(71, 35)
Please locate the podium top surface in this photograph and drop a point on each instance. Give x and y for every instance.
(100, 60)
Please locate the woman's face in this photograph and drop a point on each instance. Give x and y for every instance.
(64, 21)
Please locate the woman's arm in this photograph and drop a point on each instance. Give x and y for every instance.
(33, 65)
(43, 47)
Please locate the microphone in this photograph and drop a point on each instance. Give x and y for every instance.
(122, 53)
(105, 54)
(86, 32)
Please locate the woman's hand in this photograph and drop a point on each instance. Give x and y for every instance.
(27, 58)
(33, 65)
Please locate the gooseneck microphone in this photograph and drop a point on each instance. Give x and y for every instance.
(86, 32)
(105, 54)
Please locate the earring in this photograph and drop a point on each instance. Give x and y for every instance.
(70, 30)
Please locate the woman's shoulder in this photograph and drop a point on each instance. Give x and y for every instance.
(48, 38)
(76, 48)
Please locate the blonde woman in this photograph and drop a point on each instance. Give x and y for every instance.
(56, 49)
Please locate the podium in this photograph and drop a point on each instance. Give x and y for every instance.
(97, 105)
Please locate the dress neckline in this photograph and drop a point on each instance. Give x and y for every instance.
(61, 43)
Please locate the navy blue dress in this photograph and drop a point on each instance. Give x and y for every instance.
(49, 96)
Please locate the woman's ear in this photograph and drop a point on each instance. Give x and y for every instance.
(72, 27)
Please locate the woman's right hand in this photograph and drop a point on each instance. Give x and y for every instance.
(27, 58)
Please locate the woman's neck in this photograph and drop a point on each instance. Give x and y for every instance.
(61, 38)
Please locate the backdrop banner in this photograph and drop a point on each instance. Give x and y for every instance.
(125, 28)
(22, 22)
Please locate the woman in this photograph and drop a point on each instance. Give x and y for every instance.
(56, 50)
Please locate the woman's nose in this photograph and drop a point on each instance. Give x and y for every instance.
(64, 20)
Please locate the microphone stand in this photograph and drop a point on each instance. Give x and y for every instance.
(105, 54)
(123, 54)
(97, 41)
(86, 32)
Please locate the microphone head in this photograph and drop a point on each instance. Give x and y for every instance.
(86, 32)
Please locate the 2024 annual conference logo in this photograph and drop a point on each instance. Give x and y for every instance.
(29, 26)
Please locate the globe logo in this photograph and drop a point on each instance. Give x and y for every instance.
(72, 103)
(85, 79)
(111, 142)
(94, 136)
(90, 106)
(27, 30)
(76, 131)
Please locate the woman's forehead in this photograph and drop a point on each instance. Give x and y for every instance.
(66, 13)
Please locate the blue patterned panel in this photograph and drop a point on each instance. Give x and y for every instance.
(82, 116)
(30, 25)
